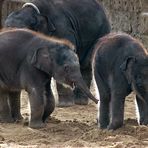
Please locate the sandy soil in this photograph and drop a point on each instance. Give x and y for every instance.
(75, 127)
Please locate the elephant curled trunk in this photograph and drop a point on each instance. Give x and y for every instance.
(83, 87)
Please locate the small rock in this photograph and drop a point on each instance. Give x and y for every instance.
(2, 138)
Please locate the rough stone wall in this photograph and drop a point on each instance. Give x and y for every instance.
(9, 6)
(130, 16)
(1, 3)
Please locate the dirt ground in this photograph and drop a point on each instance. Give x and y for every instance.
(75, 127)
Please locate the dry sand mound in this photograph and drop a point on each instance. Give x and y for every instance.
(76, 127)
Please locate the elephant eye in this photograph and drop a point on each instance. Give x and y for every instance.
(66, 68)
(33, 21)
(75, 50)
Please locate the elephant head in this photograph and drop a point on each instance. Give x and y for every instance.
(29, 16)
(136, 72)
(62, 63)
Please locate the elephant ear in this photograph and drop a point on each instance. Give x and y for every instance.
(51, 26)
(44, 24)
(41, 60)
(126, 68)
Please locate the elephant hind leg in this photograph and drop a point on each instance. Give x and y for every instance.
(104, 107)
(5, 113)
(119, 90)
(14, 100)
(117, 112)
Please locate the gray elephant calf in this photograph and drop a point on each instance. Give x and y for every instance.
(28, 60)
(120, 65)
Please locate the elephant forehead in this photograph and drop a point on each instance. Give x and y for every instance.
(67, 57)
(21, 18)
(62, 59)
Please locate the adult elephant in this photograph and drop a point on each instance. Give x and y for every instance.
(81, 22)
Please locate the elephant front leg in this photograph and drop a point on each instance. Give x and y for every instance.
(37, 107)
(5, 113)
(143, 111)
(14, 100)
(117, 111)
(49, 102)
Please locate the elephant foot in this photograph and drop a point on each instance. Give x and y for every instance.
(103, 125)
(18, 118)
(144, 122)
(66, 101)
(114, 126)
(37, 124)
(6, 120)
(81, 101)
(79, 98)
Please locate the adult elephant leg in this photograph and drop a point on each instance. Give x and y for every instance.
(14, 100)
(66, 96)
(49, 102)
(5, 113)
(80, 98)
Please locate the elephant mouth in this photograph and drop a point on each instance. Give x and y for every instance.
(83, 87)
(71, 84)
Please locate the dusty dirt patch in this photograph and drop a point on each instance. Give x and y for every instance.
(76, 127)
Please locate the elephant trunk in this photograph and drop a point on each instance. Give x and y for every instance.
(83, 87)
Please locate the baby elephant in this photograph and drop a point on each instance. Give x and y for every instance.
(28, 60)
(120, 65)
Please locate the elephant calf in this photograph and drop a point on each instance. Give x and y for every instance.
(120, 65)
(28, 60)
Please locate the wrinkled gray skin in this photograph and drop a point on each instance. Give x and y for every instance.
(81, 22)
(120, 65)
(28, 61)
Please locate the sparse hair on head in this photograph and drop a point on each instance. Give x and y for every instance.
(41, 35)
